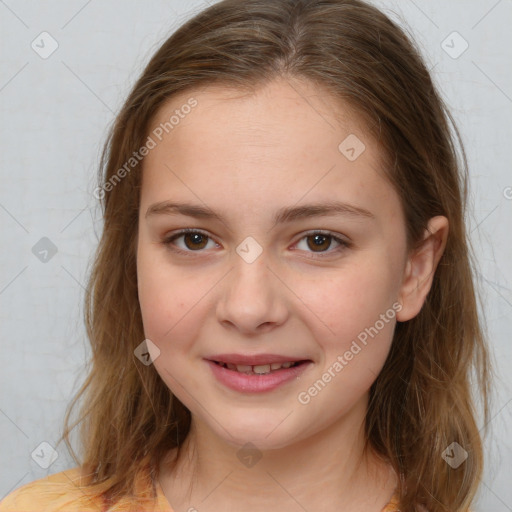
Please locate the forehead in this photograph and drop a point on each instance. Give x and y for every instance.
(286, 137)
(284, 108)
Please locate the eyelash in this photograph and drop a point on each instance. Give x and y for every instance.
(343, 243)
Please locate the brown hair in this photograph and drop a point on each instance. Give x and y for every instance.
(422, 400)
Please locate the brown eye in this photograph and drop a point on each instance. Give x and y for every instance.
(321, 242)
(193, 241)
(318, 244)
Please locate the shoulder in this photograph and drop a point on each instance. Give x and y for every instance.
(60, 492)
(393, 505)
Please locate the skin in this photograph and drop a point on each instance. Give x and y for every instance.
(245, 156)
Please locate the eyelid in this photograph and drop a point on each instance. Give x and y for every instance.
(342, 241)
(167, 240)
(338, 238)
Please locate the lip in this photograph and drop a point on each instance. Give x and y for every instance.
(244, 383)
(255, 359)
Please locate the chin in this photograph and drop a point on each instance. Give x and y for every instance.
(264, 431)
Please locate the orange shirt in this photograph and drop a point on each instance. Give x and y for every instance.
(61, 492)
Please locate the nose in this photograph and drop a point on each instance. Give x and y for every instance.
(252, 299)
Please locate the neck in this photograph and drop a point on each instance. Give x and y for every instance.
(340, 472)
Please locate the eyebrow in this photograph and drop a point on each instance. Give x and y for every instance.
(286, 214)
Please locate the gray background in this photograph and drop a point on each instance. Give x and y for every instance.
(55, 113)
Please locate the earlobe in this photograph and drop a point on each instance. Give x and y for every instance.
(420, 268)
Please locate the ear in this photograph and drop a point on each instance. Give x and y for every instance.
(420, 268)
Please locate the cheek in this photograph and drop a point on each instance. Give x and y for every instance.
(358, 309)
(170, 307)
(168, 299)
(353, 305)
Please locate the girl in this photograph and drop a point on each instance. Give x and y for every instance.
(281, 311)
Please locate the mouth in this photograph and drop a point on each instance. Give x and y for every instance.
(260, 369)
(257, 373)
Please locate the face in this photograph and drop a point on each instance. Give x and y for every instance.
(263, 277)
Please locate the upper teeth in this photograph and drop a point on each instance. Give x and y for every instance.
(260, 368)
